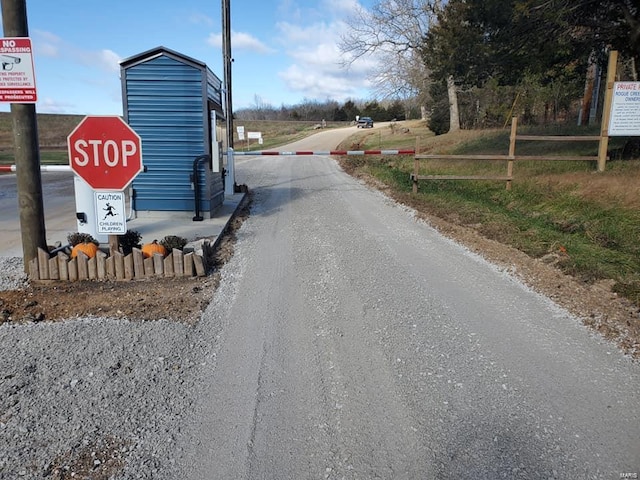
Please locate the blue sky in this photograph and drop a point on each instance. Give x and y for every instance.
(284, 51)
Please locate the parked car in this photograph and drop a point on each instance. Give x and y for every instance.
(365, 122)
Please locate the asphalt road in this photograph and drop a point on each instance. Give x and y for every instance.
(59, 210)
(358, 343)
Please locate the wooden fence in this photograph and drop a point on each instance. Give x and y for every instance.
(510, 158)
(117, 266)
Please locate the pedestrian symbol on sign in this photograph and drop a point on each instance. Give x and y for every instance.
(110, 211)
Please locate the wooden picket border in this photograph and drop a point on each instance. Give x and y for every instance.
(118, 266)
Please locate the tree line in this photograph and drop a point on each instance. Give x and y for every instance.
(311, 110)
(474, 63)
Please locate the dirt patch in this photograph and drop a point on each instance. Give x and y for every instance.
(175, 299)
(179, 299)
(97, 461)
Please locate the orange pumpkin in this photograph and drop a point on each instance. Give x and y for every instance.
(88, 248)
(149, 249)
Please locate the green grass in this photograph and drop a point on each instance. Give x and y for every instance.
(276, 133)
(52, 135)
(47, 157)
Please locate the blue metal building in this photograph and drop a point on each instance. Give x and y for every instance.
(173, 102)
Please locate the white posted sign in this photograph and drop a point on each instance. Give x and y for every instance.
(110, 213)
(17, 76)
(625, 110)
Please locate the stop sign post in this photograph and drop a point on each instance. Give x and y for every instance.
(105, 152)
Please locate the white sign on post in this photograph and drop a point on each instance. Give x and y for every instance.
(111, 216)
(240, 129)
(625, 110)
(17, 75)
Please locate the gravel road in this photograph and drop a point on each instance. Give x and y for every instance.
(346, 340)
(362, 344)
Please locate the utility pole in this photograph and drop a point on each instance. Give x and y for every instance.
(27, 153)
(227, 60)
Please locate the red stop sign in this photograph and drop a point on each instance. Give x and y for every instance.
(105, 152)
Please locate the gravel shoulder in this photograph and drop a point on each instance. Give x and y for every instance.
(95, 377)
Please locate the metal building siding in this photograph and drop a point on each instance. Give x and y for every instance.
(214, 89)
(164, 106)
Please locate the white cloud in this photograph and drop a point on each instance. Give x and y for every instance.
(106, 60)
(300, 11)
(48, 44)
(240, 41)
(110, 60)
(201, 19)
(302, 36)
(317, 68)
(341, 7)
(50, 105)
(321, 86)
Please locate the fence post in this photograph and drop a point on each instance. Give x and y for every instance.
(512, 150)
(416, 165)
(606, 112)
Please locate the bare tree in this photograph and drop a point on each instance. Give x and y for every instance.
(403, 77)
(393, 31)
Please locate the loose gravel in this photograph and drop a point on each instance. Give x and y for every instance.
(12, 274)
(95, 398)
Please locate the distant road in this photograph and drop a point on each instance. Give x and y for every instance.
(323, 140)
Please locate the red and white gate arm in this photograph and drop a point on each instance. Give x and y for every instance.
(67, 168)
(329, 152)
(43, 168)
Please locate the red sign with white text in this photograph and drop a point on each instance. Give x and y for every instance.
(105, 152)
(17, 74)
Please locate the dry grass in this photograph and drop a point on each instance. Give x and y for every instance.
(615, 187)
(52, 130)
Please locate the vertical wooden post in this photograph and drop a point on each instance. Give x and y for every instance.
(114, 244)
(512, 150)
(606, 112)
(416, 165)
(30, 200)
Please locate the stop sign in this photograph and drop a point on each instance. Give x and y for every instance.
(105, 152)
